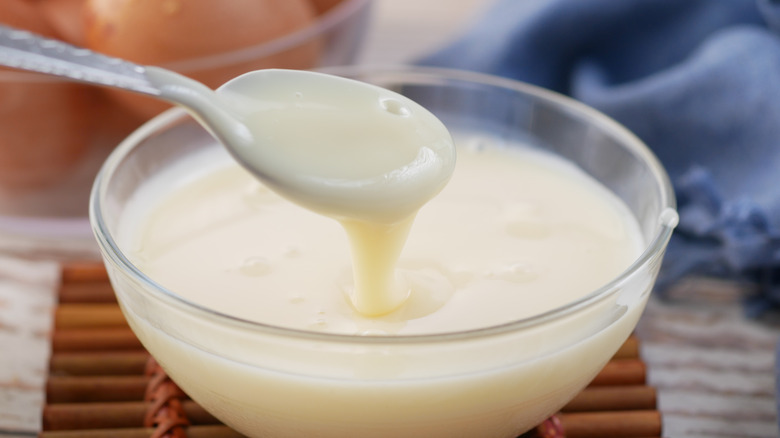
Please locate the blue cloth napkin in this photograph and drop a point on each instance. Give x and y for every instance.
(697, 80)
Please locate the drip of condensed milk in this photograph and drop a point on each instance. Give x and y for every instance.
(361, 154)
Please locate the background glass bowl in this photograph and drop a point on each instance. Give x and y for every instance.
(54, 135)
(274, 382)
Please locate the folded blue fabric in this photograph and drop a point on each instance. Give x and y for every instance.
(697, 80)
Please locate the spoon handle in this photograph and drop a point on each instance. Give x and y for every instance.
(26, 51)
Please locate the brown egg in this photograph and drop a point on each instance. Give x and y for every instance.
(173, 33)
(43, 122)
(323, 6)
(66, 17)
(23, 14)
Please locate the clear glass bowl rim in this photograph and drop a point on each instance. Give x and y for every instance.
(653, 251)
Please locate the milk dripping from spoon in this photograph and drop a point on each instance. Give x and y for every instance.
(366, 156)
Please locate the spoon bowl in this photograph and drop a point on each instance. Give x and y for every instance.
(338, 146)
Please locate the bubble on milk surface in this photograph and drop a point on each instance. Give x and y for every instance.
(320, 321)
(319, 324)
(395, 107)
(518, 272)
(255, 266)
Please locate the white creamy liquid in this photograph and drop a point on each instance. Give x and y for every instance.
(358, 153)
(515, 233)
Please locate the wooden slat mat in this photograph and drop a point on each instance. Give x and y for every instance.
(102, 383)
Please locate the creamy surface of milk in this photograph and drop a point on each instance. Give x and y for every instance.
(515, 233)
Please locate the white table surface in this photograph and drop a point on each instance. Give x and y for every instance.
(713, 368)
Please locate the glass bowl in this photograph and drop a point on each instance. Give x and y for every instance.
(497, 381)
(55, 134)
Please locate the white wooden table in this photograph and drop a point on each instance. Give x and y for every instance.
(712, 366)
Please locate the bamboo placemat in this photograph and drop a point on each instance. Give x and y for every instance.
(102, 383)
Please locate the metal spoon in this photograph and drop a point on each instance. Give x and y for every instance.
(27, 51)
(227, 114)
